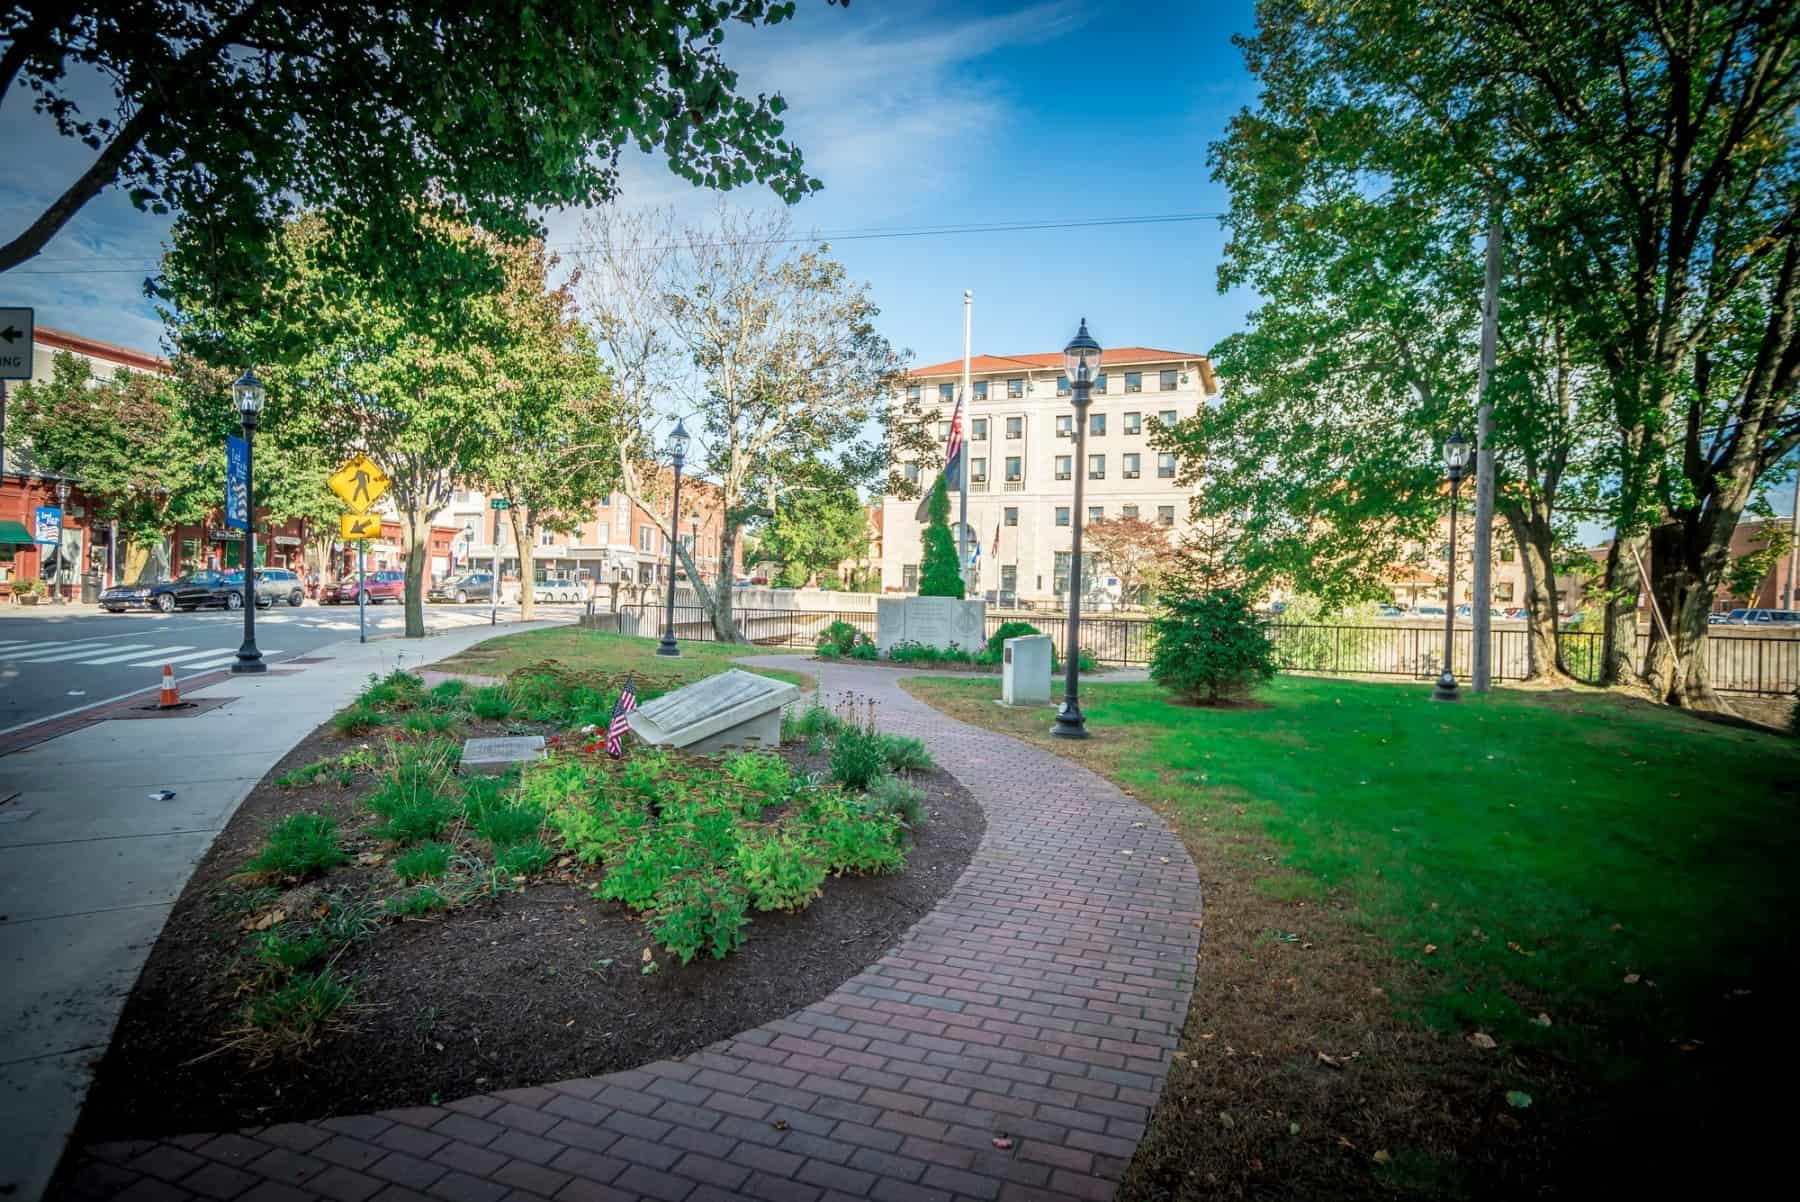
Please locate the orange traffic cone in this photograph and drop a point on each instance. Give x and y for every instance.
(170, 697)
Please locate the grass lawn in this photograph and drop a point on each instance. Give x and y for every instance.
(598, 651)
(1598, 887)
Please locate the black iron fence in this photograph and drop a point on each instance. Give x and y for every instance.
(1749, 664)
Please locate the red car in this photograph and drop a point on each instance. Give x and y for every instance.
(386, 585)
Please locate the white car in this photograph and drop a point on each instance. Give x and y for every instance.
(553, 592)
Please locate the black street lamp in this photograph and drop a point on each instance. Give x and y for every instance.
(62, 567)
(1456, 457)
(248, 392)
(1081, 361)
(678, 444)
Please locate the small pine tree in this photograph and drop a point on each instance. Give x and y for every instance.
(939, 574)
(1209, 646)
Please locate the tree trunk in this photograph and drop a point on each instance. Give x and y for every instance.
(1687, 561)
(723, 623)
(1619, 588)
(417, 526)
(521, 530)
(1532, 535)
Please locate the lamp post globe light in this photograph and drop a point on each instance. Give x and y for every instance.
(678, 445)
(248, 393)
(1456, 458)
(1081, 363)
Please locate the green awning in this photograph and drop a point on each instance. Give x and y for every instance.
(14, 534)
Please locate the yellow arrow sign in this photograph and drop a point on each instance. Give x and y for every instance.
(359, 525)
(359, 483)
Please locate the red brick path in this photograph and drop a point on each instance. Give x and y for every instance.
(1038, 1004)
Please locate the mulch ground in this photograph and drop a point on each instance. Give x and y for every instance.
(521, 990)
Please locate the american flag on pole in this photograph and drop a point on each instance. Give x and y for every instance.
(953, 449)
(616, 728)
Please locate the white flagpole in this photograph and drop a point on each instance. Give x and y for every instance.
(962, 533)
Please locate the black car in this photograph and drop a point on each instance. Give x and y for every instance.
(190, 590)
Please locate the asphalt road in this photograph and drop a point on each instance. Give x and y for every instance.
(52, 663)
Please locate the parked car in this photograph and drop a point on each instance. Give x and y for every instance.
(273, 586)
(388, 584)
(554, 589)
(190, 590)
(1428, 611)
(1735, 617)
(1717, 619)
(470, 586)
(1772, 617)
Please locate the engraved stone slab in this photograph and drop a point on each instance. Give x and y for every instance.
(930, 621)
(1025, 676)
(493, 756)
(733, 709)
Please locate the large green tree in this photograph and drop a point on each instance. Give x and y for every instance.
(816, 526)
(236, 114)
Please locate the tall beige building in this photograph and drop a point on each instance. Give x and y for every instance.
(1022, 462)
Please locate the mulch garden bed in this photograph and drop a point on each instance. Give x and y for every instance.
(516, 990)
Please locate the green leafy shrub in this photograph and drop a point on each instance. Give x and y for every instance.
(858, 756)
(1085, 660)
(426, 862)
(864, 649)
(1209, 647)
(902, 753)
(417, 902)
(781, 870)
(815, 719)
(700, 910)
(995, 651)
(413, 795)
(827, 651)
(840, 637)
(399, 690)
(642, 869)
(284, 955)
(358, 718)
(907, 652)
(300, 845)
(940, 574)
(299, 778)
(899, 798)
(527, 858)
(491, 703)
(448, 694)
(295, 1015)
(428, 722)
(549, 692)
(854, 839)
(760, 779)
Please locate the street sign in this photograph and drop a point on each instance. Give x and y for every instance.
(17, 331)
(48, 525)
(237, 483)
(359, 525)
(359, 483)
(499, 503)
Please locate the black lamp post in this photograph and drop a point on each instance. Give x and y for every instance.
(248, 392)
(1456, 457)
(62, 567)
(1081, 361)
(678, 444)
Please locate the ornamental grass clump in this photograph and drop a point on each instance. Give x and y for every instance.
(299, 846)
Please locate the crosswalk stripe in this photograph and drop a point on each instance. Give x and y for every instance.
(158, 660)
(207, 664)
(84, 652)
(56, 649)
(137, 652)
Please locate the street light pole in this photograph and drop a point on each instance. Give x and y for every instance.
(248, 392)
(1081, 359)
(678, 442)
(62, 565)
(1456, 456)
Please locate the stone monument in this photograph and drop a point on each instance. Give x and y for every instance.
(491, 757)
(733, 709)
(1025, 671)
(930, 622)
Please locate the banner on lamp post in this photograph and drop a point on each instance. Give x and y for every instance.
(237, 483)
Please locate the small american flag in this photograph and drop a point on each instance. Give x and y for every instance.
(953, 449)
(615, 730)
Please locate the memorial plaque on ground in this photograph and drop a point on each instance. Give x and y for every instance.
(733, 709)
(930, 622)
(493, 756)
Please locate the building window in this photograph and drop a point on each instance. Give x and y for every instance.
(190, 554)
(980, 425)
(1096, 513)
(912, 472)
(1097, 424)
(1134, 423)
(1096, 467)
(1062, 386)
(1059, 574)
(946, 392)
(1167, 418)
(1065, 426)
(601, 534)
(643, 538)
(909, 577)
(912, 393)
(1064, 466)
(1132, 461)
(1128, 511)
(546, 539)
(1100, 382)
(1015, 469)
(1062, 515)
(943, 429)
(1009, 577)
(981, 390)
(1503, 590)
(1015, 427)
(1134, 381)
(1015, 387)
(1167, 377)
(1165, 466)
(978, 471)
(1165, 515)
(1506, 554)
(1012, 515)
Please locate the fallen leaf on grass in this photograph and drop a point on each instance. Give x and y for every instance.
(1483, 1040)
(1336, 1061)
(1431, 949)
(1344, 1143)
(369, 859)
(1382, 1156)
(266, 919)
(1631, 978)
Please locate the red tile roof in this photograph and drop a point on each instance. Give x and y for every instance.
(110, 352)
(1122, 356)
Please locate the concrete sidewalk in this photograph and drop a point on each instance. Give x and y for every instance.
(90, 866)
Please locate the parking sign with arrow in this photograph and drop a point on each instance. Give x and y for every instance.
(17, 329)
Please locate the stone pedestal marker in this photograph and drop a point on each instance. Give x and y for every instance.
(1025, 672)
(494, 756)
(733, 709)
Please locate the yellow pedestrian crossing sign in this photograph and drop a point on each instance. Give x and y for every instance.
(359, 525)
(359, 484)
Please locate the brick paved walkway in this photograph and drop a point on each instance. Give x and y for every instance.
(1039, 1003)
